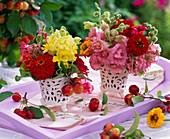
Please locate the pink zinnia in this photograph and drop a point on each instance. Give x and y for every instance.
(88, 88)
(138, 3)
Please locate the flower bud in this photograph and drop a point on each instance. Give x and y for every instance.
(120, 38)
(114, 32)
(77, 40)
(148, 38)
(105, 28)
(155, 39)
(95, 14)
(112, 18)
(107, 20)
(89, 25)
(107, 14)
(150, 33)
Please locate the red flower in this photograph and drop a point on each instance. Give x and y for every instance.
(137, 44)
(27, 61)
(42, 67)
(81, 66)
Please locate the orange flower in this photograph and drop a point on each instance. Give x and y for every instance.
(84, 48)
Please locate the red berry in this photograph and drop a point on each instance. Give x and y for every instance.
(94, 104)
(22, 114)
(67, 90)
(30, 114)
(108, 126)
(18, 5)
(134, 90)
(31, 37)
(76, 80)
(162, 108)
(2, 19)
(78, 88)
(104, 135)
(30, 12)
(16, 97)
(168, 102)
(16, 111)
(128, 99)
(26, 108)
(168, 108)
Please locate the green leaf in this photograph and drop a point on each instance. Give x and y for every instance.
(48, 16)
(59, 76)
(63, 68)
(0, 86)
(51, 6)
(105, 111)
(146, 79)
(141, 73)
(139, 134)
(105, 99)
(5, 95)
(3, 82)
(48, 111)
(37, 112)
(121, 128)
(29, 25)
(132, 61)
(134, 126)
(137, 99)
(83, 76)
(159, 93)
(79, 100)
(146, 88)
(162, 98)
(13, 23)
(75, 69)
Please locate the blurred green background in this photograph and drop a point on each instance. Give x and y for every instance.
(75, 12)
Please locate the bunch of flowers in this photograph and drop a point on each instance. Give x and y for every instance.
(117, 44)
(52, 56)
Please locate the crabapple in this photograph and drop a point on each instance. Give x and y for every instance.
(1, 7)
(25, 5)
(10, 5)
(168, 102)
(2, 19)
(78, 88)
(29, 12)
(18, 5)
(67, 90)
(76, 80)
(16, 111)
(168, 108)
(108, 126)
(22, 114)
(36, 12)
(31, 37)
(128, 99)
(134, 90)
(162, 108)
(29, 114)
(26, 39)
(16, 97)
(94, 104)
(114, 133)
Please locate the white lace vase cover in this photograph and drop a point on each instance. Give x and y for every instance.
(115, 83)
(52, 94)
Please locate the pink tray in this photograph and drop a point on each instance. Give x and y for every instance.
(11, 121)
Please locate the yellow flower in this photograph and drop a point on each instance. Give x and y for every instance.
(89, 25)
(155, 118)
(51, 46)
(84, 48)
(66, 50)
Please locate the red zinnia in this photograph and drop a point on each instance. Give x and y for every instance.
(42, 67)
(137, 44)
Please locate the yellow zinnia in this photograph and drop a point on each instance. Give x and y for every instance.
(155, 118)
(84, 48)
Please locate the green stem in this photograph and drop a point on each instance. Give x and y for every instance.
(167, 120)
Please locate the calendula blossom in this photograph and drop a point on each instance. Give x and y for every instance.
(66, 50)
(155, 118)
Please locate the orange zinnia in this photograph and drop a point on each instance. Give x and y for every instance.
(84, 48)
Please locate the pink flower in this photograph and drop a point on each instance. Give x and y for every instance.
(88, 88)
(97, 45)
(93, 34)
(138, 3)
(95, 62)
(102, 3)
(24, 48)
(161, 3)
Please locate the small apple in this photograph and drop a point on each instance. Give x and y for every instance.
(31, 37)
(78, 88)
(2, 19)
(168, 108)
(76, 80)
(10, 5)
(134, 90)
(128, 99)
(94, 104)
(29, 12)
(25, 5)
(168, 102)
(114, 133)
(36, 12)
(26, 39)
(1, 7)
(67, 90)
(18, 5)
(108, 127)
(3, 44)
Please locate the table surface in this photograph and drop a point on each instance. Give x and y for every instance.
(155, 133)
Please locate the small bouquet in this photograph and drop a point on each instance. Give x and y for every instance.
(53, 56)
(117, 44)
